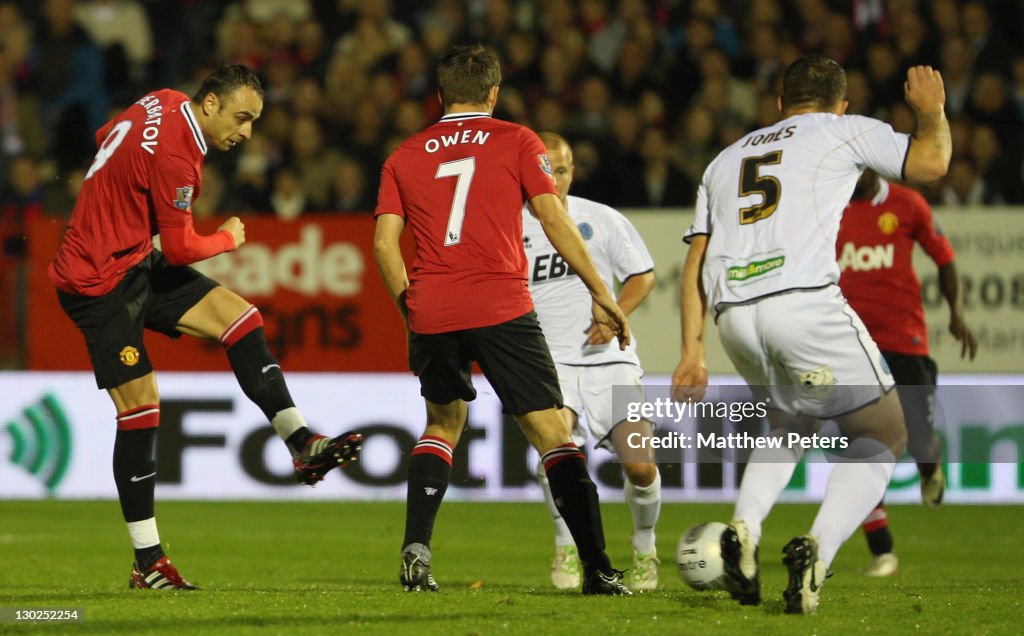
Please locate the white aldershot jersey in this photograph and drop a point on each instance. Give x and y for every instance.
(771, 202)
(560, 298)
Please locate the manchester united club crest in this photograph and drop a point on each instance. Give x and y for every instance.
(888, 222)
(129, 356)
(183, 200)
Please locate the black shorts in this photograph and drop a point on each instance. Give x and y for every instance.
(911, 370)
(153, 295)
(513, 355)
(915, 382)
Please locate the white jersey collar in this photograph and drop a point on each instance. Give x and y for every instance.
(461, 116)
(882, 194)
(197, 134)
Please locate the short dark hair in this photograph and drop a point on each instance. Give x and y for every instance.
(226, 80)
(467, 74)
(815, 80)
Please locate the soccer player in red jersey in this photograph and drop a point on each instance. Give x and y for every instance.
(113, 284)
(875, 253)
(461, 185)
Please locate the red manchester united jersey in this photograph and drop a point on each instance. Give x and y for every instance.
(145, 175)
(875, 249)
(461, 184)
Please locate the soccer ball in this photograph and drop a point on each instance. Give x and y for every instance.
(699, 556)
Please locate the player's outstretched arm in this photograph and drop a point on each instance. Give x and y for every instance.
(949, 283)
(182, 246)
(566, 239)
(932, 147)
(388, 253)
(691, 375)
(173, 182)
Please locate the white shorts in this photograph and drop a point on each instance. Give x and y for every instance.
(588, 392)
(808, 349)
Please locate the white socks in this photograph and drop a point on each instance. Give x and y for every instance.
(768, 472)
(645, 505)
(853, 491)
(287, 422)
(562, 535)
(143, 533)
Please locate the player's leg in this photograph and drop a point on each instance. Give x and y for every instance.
(916, 378)
(911, 384)
(884, 561)
(443, 367)
(815, 338)
(135, 469)
(768, 469)
(515, 358)
(608, 390)
(766, 475)
(429, 472)
(575, 496)
(642, 491)
(876, 437)
(566, 568)
(186, 302)
(857, 483)
(113, 325)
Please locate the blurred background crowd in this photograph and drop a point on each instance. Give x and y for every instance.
(647, 90)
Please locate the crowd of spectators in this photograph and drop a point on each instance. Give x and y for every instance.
(648, 91)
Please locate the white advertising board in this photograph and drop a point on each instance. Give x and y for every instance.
(57, 435)
(989, 244)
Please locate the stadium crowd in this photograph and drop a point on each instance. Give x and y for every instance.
(647, 91)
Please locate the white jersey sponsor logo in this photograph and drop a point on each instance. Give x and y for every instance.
(865, 258)
(561, 299)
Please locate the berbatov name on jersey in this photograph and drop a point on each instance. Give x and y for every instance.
(770, 203)
(145, 175)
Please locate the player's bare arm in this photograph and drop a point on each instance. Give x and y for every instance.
(566, 239)
(388, 253)
(691, 375)
(949, 283)
(932, 147)
(633, 292)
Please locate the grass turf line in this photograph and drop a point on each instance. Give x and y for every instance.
(333, 567)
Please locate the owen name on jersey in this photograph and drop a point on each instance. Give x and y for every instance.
(468, 136)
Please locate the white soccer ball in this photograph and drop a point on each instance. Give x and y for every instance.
(699, 556)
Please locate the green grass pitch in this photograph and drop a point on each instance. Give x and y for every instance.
(311, 568)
